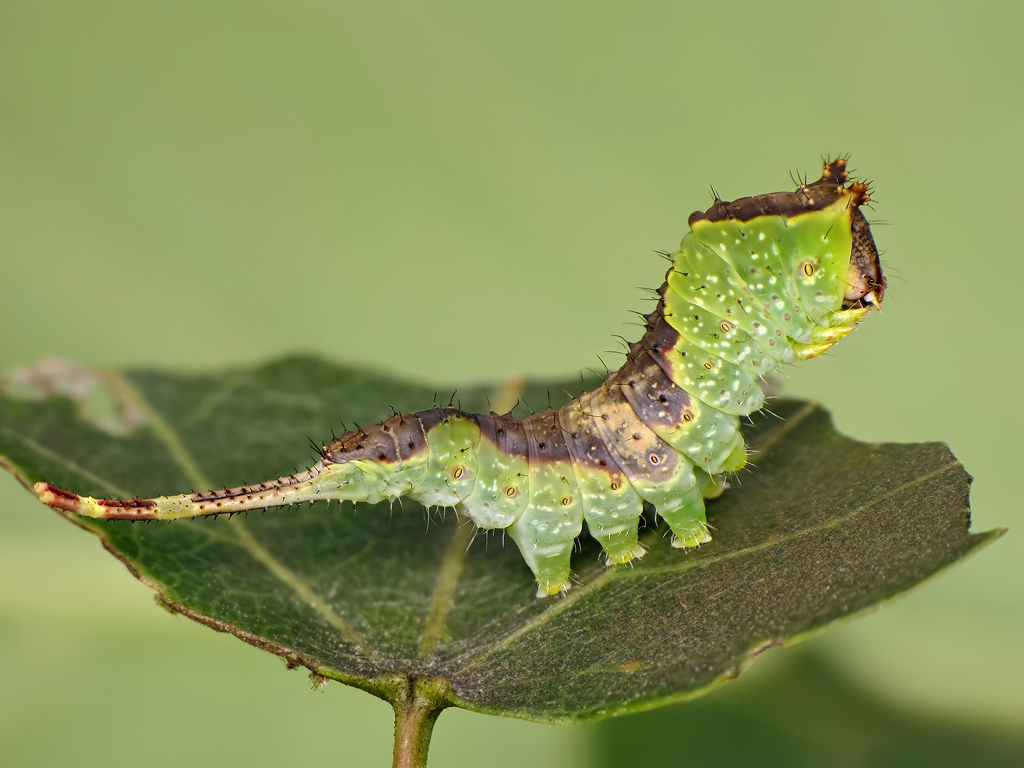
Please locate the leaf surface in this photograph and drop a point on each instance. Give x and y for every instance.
(390, 597)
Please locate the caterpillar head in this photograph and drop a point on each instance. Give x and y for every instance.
(865, 283)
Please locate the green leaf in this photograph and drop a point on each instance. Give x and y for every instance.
(413, 607)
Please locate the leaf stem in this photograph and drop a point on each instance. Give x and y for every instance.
(415, 714)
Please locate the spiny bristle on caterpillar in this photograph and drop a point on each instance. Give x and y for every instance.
(756, 283)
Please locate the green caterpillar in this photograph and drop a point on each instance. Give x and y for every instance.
(757, 282)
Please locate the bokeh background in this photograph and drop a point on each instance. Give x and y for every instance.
(462, 192)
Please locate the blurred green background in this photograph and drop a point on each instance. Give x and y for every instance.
(461, 192)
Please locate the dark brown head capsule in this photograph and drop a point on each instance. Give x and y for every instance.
(865, 282)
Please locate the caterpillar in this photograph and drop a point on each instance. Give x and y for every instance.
(756, 282)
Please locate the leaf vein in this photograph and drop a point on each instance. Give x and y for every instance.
(112, 488)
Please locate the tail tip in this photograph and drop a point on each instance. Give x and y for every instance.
(56, 497)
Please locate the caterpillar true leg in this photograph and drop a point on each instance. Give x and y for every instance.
(757, 282)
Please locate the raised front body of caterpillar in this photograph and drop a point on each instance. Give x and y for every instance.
(756, 283)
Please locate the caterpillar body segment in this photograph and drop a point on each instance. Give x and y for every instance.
(756, 283)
